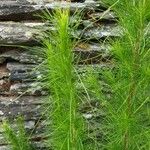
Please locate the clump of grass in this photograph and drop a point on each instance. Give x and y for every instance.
(17, 137)
(66, 126)
(127, 122)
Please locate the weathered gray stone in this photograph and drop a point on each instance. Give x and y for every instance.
(86, 47)
(95, 67)
(25, 72)
(84, 52)
(34, 128)
(21, 56)
(92, 53)
(4, 147)
(23, 10)
(30, 112)
(38, 89)
(17, 33)
(24, 76)
(105, 15)
(28, 125)
(28, 106)
(14, 33)
(30, 88)
(22, 100)
(102, 32)
(13, 66)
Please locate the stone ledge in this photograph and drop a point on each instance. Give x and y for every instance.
(20, 33)
(84, 53)
(24, 10)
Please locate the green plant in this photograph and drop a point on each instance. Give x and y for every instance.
(126, 125)
(66, 127)
(17, 137)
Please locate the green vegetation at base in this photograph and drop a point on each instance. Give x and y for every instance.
(16, 136)
(127, 123)
(66, 129)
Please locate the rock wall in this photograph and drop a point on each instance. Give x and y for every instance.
(19, 93)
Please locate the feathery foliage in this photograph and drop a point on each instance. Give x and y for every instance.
(66, 126)
(17, 138)
(127, 121)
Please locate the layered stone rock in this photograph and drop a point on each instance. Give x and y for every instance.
(84, 53)
(24, 9)
(25, 33)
